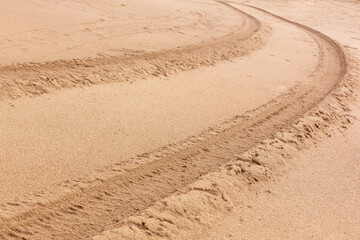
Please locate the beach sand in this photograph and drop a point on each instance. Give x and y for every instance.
(179, 119)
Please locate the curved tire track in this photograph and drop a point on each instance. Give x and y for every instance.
(91, 210)
(32, 79)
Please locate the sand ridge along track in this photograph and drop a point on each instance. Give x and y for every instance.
(31, 79)
(91, 210)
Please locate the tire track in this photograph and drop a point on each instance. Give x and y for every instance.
(32, 79)
(91, 210)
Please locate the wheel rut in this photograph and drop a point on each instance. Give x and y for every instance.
(90, 210)
(33, 79)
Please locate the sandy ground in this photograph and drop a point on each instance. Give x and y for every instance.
(181, 119)
(51, 30)
(112, 123)
(317, 199)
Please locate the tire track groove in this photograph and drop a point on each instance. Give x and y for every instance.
(33, 79)
(105, 205)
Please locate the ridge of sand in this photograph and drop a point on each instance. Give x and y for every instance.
(48, 30)
(33, 79)
(317, 198)
(190, 214)
(279, 114)
(50, 138)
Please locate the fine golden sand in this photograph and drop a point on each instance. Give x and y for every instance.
(179, 119)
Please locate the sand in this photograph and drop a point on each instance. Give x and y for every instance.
(52, 30)
(179, 119)
(112, 123)
(317, 199)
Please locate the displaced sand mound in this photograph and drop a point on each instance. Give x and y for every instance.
(48, 30)
(32, 79)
